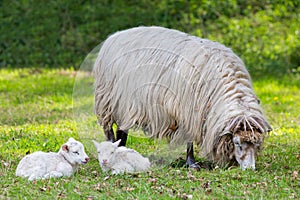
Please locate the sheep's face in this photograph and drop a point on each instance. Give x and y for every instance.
(73, 152)
(106, 152)
(244, 152)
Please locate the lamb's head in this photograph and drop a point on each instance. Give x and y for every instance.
(106, 152)
(73, 152)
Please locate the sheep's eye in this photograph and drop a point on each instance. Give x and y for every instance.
(76, 152)
(239, 146)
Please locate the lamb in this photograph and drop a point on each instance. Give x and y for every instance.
(41, 165)
(119, 160)
(181, 87)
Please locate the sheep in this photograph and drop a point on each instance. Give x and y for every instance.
(119, 160)
(181, 87)
(42, 165)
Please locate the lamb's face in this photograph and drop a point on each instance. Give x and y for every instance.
(73, 151)
(106, 152)
(244, 152)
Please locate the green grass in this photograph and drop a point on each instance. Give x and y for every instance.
(36, 114)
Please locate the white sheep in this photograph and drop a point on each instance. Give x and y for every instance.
(120, 160)
(180, 87)
(41, 165)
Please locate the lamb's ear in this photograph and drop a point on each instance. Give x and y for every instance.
(95, 143)
(116, 144)
(65, 148)
(71, 139)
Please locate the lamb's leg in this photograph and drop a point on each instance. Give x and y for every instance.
(123, 136)
(36, 172)
(109, 133)
(33, 177)
(53, 174)
(121, 168)
(190, 159)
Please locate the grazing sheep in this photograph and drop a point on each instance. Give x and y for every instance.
(120, 160)
(41, 165)
(181, 87)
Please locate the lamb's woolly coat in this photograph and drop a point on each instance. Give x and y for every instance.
(41, 165)
(175, 85)
(119, 160)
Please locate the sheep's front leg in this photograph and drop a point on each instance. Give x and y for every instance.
(190, 159)
(122, 135)
(109, 133)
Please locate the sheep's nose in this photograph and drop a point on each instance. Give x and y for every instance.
(87, 159)
(104, 161)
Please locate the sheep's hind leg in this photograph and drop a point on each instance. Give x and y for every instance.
(123, 136)
(190, 159)
(109, 133)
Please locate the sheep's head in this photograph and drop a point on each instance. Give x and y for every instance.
(245, 151)
(240, 147)
(73, 152)
(246, 144)
(106, 152)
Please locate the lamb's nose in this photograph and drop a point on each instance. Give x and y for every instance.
(104, 161)
(87, 159)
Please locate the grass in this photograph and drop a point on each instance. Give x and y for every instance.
(36, 114)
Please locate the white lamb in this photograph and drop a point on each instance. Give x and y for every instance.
(41, 165)
(120, 160)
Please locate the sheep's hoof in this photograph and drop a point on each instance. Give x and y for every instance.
(193, 166)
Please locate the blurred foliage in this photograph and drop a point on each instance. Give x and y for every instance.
(39, 33)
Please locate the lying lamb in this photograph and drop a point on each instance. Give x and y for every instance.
(41, 165)
(119, 160)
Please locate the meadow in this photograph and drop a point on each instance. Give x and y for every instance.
(36, 113)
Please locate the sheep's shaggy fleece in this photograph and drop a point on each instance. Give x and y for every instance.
(177, 86)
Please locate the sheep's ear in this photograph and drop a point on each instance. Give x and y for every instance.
(116, 144)
(65, 148)
(236, 140)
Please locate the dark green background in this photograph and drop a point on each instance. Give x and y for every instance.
(56, 33)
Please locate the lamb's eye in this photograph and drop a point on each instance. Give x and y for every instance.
(76, 152)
